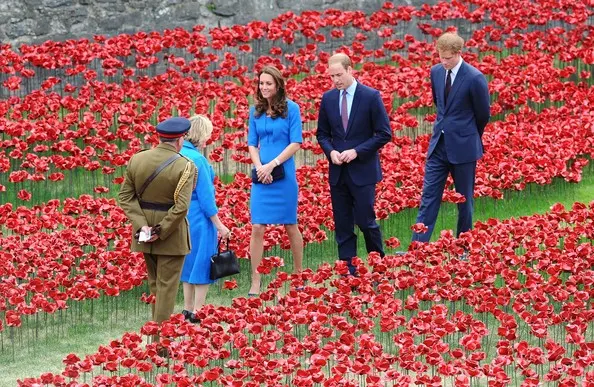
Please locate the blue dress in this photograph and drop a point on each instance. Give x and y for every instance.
(275, 203)
(203, 233)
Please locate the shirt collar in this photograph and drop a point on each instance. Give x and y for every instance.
(457, 67)
(351, 89)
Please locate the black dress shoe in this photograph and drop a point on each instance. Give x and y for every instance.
(193, 319)
(187, 314)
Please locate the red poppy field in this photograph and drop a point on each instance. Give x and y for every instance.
(518, 312)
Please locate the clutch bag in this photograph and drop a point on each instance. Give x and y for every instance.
(278, 173)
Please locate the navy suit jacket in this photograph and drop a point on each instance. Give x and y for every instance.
(464, 117)
(368, 130)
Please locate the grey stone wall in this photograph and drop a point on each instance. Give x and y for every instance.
(35, 21)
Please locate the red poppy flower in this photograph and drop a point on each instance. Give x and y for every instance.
(419, 228)
(229, 285)
(24, 195)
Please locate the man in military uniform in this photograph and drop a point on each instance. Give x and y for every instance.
(155, 197)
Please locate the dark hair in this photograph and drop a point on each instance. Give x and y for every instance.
(279, 101)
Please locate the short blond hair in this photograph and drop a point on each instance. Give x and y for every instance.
(200, 129)
(341, 58)
(450, 41)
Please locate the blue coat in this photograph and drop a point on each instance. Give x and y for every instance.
(203, 233)
(464, 117)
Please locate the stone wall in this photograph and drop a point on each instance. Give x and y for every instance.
(35, 21)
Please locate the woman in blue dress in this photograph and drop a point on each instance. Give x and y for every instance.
(203, 219)
(273, 138)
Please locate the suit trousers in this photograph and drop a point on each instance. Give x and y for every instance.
(164, 272)
(437, 169)
(354, 204)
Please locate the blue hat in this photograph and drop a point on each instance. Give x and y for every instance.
(173, 127)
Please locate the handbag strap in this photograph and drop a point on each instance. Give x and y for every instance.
(159, 169)
(219, 245)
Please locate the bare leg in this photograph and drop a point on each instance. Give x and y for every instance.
(296, 246)
(256, 252)
(188, 296)
(199, 296)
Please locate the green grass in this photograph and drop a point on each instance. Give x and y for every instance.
(30, 356)
(76, 182)
(41, 346)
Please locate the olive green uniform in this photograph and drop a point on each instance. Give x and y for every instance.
(174, 185)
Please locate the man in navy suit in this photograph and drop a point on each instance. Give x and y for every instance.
(352, 126)
(461, 96)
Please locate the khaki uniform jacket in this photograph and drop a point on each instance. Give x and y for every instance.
(174, 238)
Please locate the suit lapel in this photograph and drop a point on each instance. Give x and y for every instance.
(334, 97)
(440, 87)
(354, 106)
(456, 86)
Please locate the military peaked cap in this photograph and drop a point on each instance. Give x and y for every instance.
(173, 127)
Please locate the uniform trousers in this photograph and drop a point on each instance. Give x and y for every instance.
(164, 272)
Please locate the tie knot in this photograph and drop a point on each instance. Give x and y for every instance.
(449, 71)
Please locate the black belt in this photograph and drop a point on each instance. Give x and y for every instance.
(155, 206)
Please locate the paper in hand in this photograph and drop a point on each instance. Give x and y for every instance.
(143, 236)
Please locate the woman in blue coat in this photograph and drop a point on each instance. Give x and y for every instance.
(274, 135)
(203, 219)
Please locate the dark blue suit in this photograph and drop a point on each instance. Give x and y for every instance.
(455, 145)
(352, 185)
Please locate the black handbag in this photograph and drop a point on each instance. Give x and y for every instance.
(223, 263)
(278, 173)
